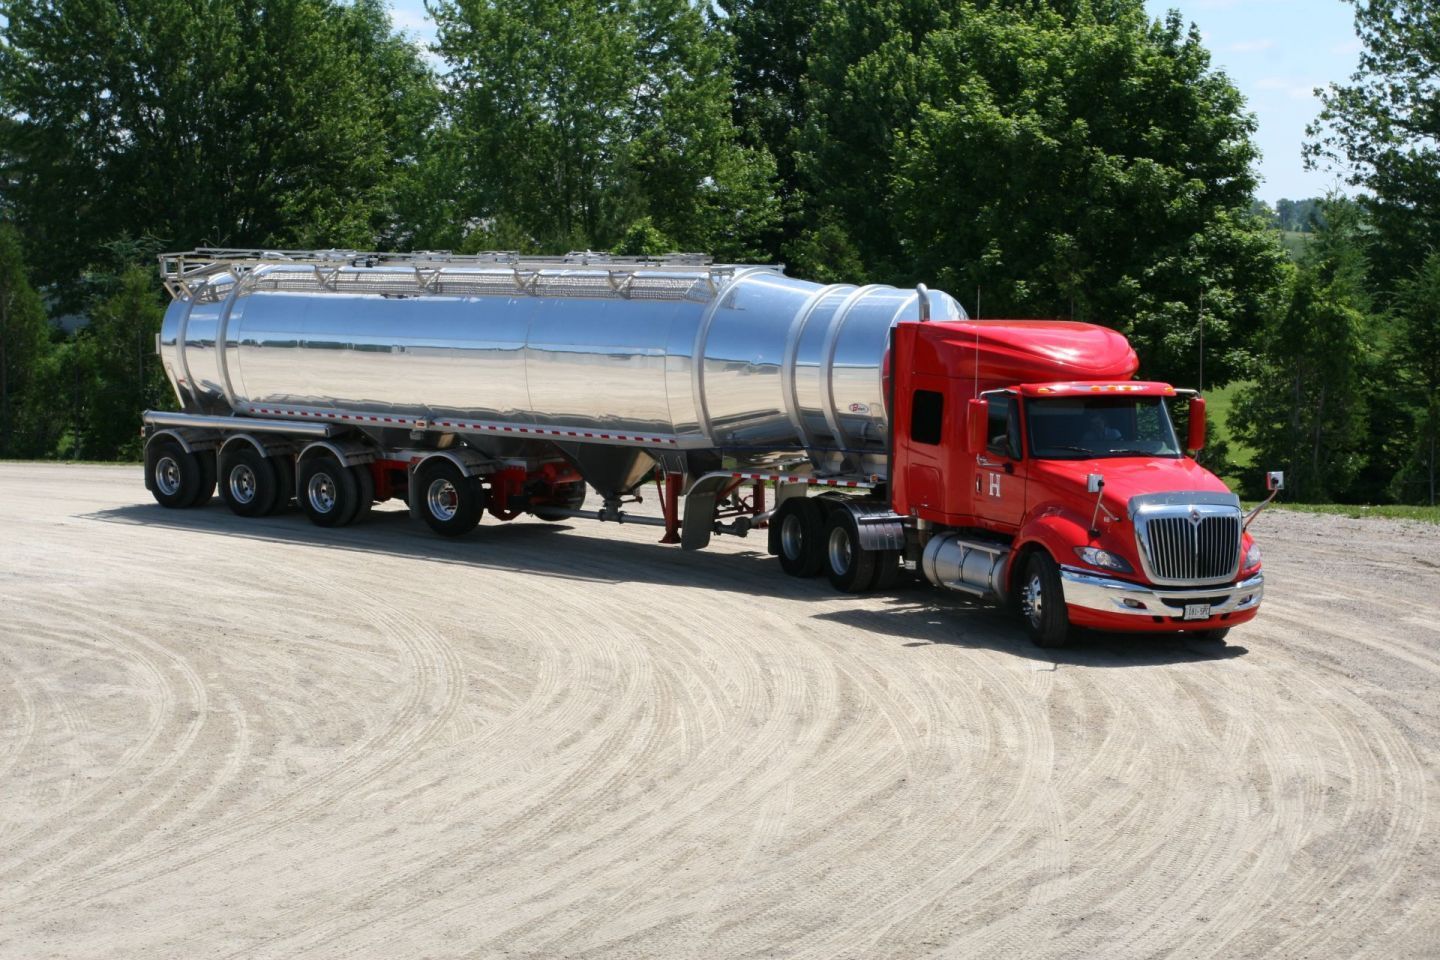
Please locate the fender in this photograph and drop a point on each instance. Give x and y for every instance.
(1053, 528)
(265, 446)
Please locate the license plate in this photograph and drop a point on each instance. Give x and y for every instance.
(1197, 611)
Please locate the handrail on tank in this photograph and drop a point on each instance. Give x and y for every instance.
(188, 274)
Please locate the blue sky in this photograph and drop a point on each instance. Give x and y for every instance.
(1275, 51)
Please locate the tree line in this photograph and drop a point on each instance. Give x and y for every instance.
(1045, 158)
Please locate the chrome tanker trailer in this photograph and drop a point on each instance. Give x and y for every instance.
(504, 384)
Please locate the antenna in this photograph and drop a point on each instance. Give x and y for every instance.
(1201, 385)
(977, 341)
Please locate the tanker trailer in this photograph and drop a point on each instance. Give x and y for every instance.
(508, 385)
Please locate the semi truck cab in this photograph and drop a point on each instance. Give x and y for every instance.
(1070, 497)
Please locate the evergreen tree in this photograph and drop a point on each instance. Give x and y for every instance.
(1307, 412)
(1416, 359)
(24, 344)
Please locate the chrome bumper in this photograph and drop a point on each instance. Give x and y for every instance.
(1108, 595)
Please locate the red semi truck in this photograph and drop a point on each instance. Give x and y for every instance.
(1016, 461)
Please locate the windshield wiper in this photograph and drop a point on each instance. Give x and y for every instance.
(1085, 450)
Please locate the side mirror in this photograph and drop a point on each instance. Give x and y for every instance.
(1196, 439)
(977, 422)
(1275, 481)
(1094, 482)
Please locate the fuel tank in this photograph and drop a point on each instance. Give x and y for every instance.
(732, 358)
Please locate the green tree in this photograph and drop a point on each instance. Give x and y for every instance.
(24, 343)
(579, 119)
(1417, 360)
(1066, 159)
(1307, 412)
(770, 52)
(1382, 128)
(113, 362)
(206, 121)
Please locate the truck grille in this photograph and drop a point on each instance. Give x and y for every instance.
(1187, 549)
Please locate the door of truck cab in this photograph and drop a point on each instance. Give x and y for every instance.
(1000, 471)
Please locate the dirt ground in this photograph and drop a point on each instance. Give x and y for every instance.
(256, 738)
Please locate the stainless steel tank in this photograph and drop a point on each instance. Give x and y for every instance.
(733, 358)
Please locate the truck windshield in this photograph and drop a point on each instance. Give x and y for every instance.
(1083, 428)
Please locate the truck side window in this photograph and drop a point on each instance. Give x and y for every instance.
(1003, 431)
(927, 414)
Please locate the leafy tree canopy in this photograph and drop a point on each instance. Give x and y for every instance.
(1065, 159)
(1383, 127)
(223, 122)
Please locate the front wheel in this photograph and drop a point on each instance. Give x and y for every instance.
(1042, 601)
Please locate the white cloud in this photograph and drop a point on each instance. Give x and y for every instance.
(1295, 88)
(1251, 46)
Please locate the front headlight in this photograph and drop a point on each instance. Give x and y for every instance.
(1104, 558)
(1252, 556)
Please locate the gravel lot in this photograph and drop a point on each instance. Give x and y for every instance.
(255, 738)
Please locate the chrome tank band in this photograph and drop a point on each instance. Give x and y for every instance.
(766, 362)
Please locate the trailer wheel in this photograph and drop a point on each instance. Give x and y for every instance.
(800, 536)
(1042, 601)
(175, 477)
(284, 481)
(248, 484)
(365, 485)
(571, 499)
(208, 471)
(329, 494)
(850, 567)
(450, 502)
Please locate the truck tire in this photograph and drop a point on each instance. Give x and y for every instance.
(800, 532)
(208, 472)
(175, 477)
(329, 493)
(887, 569)
(248, 484)
(850, 567)
(450, 502)
(284, 481)
(1042, 601)
(1217, 635)
(365, 485)
(572, 498)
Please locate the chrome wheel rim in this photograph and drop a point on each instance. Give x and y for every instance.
(321, 493)
(167, 476)
(242, 483)
(1032, 600)
(443, 499)
(840, 550)
(792, 537)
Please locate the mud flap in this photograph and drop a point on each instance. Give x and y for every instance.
(700, 512)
